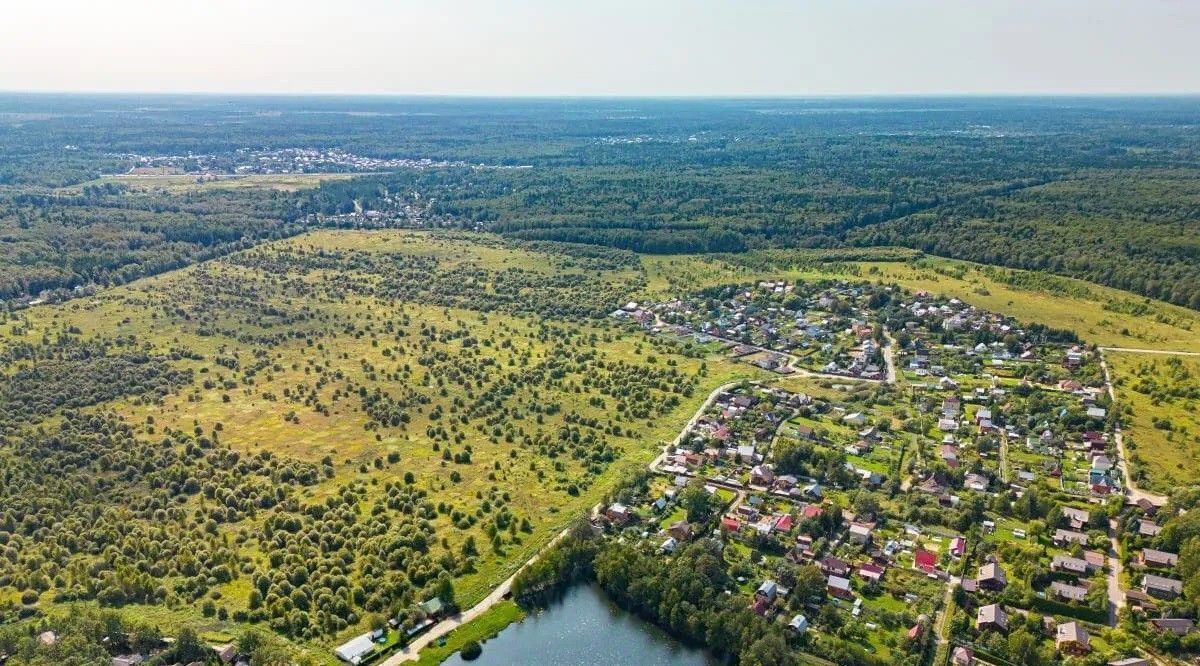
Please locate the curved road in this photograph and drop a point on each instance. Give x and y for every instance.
(412, 651)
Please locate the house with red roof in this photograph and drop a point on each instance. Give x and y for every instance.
(871, 572)
(925, 560)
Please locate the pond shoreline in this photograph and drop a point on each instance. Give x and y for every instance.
(585, 628)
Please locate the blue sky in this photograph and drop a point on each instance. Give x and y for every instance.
(603, 47)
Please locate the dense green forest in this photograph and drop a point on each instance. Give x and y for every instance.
(106, 235)
(1102, 189)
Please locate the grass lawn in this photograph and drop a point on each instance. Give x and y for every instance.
(233, 311)
(1162, 432)
(480, 629)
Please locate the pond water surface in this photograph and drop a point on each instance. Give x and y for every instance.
(586, 629)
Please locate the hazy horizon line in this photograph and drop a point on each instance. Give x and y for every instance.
(551, 96)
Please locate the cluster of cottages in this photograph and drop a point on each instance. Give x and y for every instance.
(955, 316)
(1090, 446)
(364, 646)
(732, 435)
(276, 161)
(755, 324)
(838, 572)
(1070, 638)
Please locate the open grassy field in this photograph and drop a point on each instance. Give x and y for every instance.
(353, 422)
(1161, 395)
(472, 373)
(285, 182)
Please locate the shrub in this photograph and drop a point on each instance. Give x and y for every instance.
(471, 650)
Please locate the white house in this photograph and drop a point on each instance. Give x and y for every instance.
(354, 650)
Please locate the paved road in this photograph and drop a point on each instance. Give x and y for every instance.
(1133, 493)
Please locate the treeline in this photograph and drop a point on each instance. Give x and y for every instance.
(107, 236)
(1135, 231)
(648, 242)
(684, 594)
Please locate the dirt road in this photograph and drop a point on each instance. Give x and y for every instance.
(1133, 493)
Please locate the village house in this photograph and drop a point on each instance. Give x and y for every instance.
(618, 514)
(806, 432)
(839, 587)
(768, 590)
(860, 534)
(855, 419)
(1068, 592)
(834, 566)
(993, 617)
(925, 560)
(1077, 518)
(962, 656)
(1063, 537)
(1157, 558)
(681, 530)
(991, 577)
(1070, 565)
(1130, 661)
(356, 649)
(762, 475)
(976, 482)
(951, 407)
(1176, 625)
(1148, 528)
(1161, 587)
(871, 572)
(1071, 638)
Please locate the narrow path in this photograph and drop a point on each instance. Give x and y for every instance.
(942, 626)
(1004, 457)
(1116, 596)
(889, 357)
(412, 651)
(687, 428)
(1135, 350)
(1133, 493)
